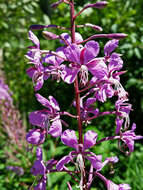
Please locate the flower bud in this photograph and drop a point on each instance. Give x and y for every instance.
(50, 35)
(98, 5)
(117, 35)
(55, 5)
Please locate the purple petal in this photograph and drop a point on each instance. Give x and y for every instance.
(124, 187)
(89, 139)
(91, 51)
(43, 101)
(34, 38)
(78, 37)
(119, 123)
(72, 53)
(54, 103)
(38, 168)
(35, 137)
(110, 46)
(66, 38)
(56, 128)
(39, 153)
(38, 83)
(42, 184)
(62, 162)
(115, 62)
(90, 101)
(38, 118)
(96, 162)
(98, 68)
(69, 74)
(129, 142)
(111, 185)
(69, 138)
(30, 71)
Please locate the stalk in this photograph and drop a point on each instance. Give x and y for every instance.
(76, 85)
(77, 96)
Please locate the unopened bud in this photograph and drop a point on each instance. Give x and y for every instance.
(55, 5)
(117, 35)
(98, 5)
(95, 27)
(50, 35)
(37, 27)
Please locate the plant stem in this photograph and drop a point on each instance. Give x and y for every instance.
(77, 93)
(76, 86)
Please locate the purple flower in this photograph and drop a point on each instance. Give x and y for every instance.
(37, 72)
(123, 110)
(106, 79)
(16, 169)
(35, 136)
(5, 93)
(129, 137)
(113, 186)
(42, 184)
(66, 39)
(69, 138)
(83, 60)
(87, 107)
(54, 67)
(38, 167)
(47, 119)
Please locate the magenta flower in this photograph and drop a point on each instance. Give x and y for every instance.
(47, 119)
(37, 72)
(69, 138)
(42, 184)
(54, 66)
(128, 137)
(38, 167)
(113, 186)
(83, 60)
(123, 109)
(5, 93)
(87, 107)
(35, 136)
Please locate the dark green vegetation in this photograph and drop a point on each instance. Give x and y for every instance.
(119, 16)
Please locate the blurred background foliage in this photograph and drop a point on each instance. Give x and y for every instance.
(123, 16)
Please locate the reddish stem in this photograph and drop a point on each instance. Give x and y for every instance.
(76, 86)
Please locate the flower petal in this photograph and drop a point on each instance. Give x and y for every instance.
(34, 38)
(35, 137)
(97, 67)
(54, 103)
(62, 162)
(43, 101)
(89, 139)
(69, 138)
(69, 74)
(110, 46)
(56, 128)
(72, 53)
(96, 162)
(38, 168)
(30, 71)
(91, 51)
(38, 118)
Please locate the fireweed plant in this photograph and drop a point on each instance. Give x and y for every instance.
(94, 79)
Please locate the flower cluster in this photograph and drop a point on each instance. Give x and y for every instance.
(96, 78)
